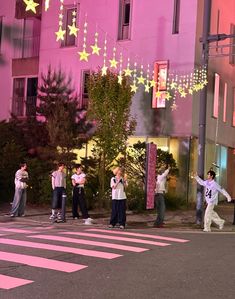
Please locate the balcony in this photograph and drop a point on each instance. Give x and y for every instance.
(24, 107)
(27, 47)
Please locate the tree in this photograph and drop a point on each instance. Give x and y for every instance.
(66, 125)
(109, 107)
(135, 162)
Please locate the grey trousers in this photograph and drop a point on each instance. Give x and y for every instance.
(19, 202)
(161, 207)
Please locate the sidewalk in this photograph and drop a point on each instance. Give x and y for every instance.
(180, 219)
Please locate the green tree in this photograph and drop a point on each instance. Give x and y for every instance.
(66, 125)
(109, 107)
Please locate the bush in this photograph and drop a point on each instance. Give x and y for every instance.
(174, 202)
(135, 197)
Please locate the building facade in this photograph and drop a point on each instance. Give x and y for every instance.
(147, 32)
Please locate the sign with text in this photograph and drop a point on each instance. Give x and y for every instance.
(150, 182)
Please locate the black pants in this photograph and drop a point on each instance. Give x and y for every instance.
(118, 212)
(57, 197)
(79, 199)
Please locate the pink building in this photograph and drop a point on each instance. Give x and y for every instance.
(145, 31)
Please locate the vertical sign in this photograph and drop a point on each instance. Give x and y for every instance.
(159, 90)
(151, 159)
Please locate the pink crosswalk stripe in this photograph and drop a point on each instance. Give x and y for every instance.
(117, 238)
(92, 253)
(87, 242)
(17, 230)
(40, 262)
(9, 282)
(139, 235)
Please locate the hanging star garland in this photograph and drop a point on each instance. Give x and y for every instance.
(95, 48)
(73, 30)
(60, 33)
(120, 69)
(147, 86)
(104, 68)
(141, 79)
(113, 62)
(84, 54)
(128, 71)
(47, 4)
(133, 86)
(30, 5)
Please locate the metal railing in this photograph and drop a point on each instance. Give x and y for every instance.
(22, 106)
(26, 47)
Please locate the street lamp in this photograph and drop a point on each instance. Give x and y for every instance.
(206, 39)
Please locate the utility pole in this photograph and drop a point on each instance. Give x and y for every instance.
(202, 110)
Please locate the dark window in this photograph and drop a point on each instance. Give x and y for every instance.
(69, 40)
(232, 48)
(84, 89)
(31, 97)
(0, 33)
(124, 19)
(24, 96)
(176, 17)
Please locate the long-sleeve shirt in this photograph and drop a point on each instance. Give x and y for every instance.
(21, 177)
(161, 182)
(212, 190)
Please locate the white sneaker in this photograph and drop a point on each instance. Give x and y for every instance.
(207, 230)
(87, 221)
(221, 226)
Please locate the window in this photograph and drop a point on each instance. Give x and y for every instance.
(216, 96)
(124, 19)
(24, 96)
(27, 41)
(69, 40)
(84, 89)
(233, 121)
(1, 20)
(232, 48)
(159, 91)
(176, 17)
(225, 102)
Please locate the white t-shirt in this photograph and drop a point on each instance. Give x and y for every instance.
(77, 178)
(212, 190)
(58, 179)
(161, 182)
(118, 192)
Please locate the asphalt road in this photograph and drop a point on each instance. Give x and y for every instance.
(202, 267)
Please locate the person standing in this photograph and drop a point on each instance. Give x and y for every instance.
(78, 182)
(211, 196)
(118, 184)
(159, 197)
(20, 197)
(58, 181)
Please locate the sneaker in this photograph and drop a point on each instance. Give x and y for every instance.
(90, 219)
(121, 226)
(75, 218)
(87, 222)
(111, 226)
(52, 217)
(221, 226)
(206, 230)
(12, 215)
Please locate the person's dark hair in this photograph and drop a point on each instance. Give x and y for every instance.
(22, 164)
(211, 173)
(78, 166)
(61, 164)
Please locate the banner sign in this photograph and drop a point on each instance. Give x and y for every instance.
(150, 182)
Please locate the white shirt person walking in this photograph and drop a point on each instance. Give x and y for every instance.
(211, 196)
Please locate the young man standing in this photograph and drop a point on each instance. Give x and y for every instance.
(159, 197)
(58, 181)
(211, 196)
(78, 182)
(19, 202)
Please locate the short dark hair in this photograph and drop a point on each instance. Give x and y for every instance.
(22, 164)
(211, 173)
(78, 166)
(61, 164)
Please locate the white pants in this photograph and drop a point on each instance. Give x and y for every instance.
(211, 216)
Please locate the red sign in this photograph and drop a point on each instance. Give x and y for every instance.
(150, 182)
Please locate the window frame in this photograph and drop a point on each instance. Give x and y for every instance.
(176, 17)
(122, 24)
(84, 98)
(65, 25)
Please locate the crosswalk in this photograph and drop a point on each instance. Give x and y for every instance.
(93, 243)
